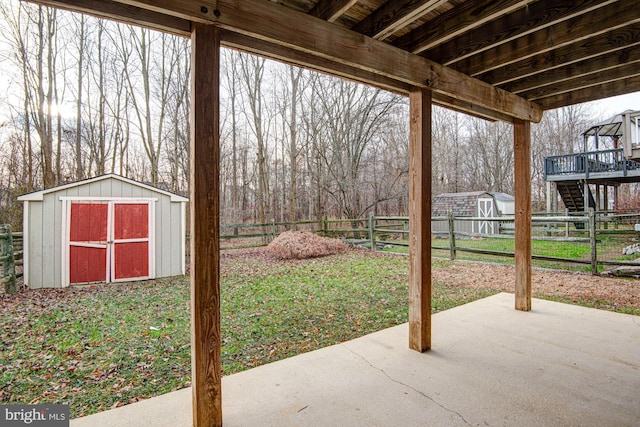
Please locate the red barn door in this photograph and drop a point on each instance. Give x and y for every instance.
(109, 241)
(130, 241)
(88, 242)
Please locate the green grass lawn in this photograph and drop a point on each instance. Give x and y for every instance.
(101, 347)
(104, 346)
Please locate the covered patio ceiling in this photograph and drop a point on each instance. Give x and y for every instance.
(497, 59)
(483, 57)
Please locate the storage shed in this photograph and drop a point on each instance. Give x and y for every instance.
(104, 229)
(478, 204)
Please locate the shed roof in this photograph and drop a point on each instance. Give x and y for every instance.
(503, 197)
(39, 195)
(464, 203)
(462, 195)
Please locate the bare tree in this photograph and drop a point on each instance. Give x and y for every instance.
(252, 72)
(149, 89)
(353, 116)
(80, 21)
(491, 149)
(294, 76)
(178, 125)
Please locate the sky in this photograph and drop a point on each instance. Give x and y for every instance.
(609, 107)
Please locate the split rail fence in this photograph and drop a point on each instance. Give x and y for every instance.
(590, 241)
(10, 258)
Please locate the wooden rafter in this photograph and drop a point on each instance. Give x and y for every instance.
(618, 87)
(630, 68)
(587, 49)
(519, 23)
(615, 15)
(330, 10)
(467, 16)
(599, 65)
(393, 15)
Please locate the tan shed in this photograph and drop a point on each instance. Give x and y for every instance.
(473, 204)
(104, 229)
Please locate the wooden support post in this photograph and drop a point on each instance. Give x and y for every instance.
(522, 178)
(585, 193)
(372, 231)
(593, 242)
(606, 206)
(206, 378)
(598, 206)
(452, 237)
(420, 219)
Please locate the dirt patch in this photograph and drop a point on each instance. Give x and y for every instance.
(572, 286)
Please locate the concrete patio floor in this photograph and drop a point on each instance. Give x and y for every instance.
(490, 365)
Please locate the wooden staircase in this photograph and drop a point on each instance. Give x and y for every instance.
(572, 193)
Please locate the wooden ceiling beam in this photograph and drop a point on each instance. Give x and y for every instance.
(593, 93)
(565, 33)
(124, 13)
(603, 44)
(244, 43)
(276, 52)
(456, 21)
(525, 20)
(621, 72)
(283, 26)
(600, 64)
(393, 15)
(469, 109)
(331, 10)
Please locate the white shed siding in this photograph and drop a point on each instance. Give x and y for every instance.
(44, 230)
(506, 207)
(35, 245)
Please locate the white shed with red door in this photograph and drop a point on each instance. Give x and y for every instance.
(103, 229)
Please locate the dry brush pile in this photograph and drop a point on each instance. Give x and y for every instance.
(304, 245)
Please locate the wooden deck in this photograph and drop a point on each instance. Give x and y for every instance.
(606, 167)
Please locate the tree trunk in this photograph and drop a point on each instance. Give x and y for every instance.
(78, 142)
(295, 74)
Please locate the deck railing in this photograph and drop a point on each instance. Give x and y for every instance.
(588, 163)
